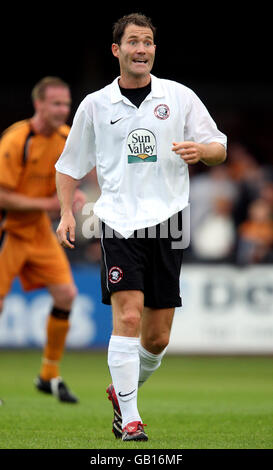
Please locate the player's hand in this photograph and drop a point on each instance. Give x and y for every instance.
(79, 200)
(190, 152)
(66, 231)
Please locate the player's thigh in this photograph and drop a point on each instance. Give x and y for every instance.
(122, 267)
(13, 254)
(162, 277)
(47, 265)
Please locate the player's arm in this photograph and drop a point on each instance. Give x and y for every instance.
(210, 154)
(202, 139)
(77, 159)
(11, 169)
(66, 187)
(13, 201)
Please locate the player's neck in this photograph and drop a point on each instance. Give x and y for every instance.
(40, 126)
(126, 81)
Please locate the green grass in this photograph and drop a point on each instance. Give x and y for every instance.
(189, 403)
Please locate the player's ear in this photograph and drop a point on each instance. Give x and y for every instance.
(115, 50)
(37, 104)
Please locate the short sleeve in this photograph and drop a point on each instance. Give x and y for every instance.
(79, 156)
(199, 126)
(11, 164)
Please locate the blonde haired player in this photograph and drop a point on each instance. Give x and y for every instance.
(29, 249)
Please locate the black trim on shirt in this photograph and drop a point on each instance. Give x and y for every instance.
(136, 95)
(25, 151)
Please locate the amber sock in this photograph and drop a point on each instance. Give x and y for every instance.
(57, 329)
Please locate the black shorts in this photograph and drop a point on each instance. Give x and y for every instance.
(146, 261)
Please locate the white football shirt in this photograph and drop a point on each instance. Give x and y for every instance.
(142, 181)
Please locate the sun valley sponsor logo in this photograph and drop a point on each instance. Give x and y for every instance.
(141, 146)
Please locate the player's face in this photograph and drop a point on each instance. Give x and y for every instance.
(54, 109)
(136, 52)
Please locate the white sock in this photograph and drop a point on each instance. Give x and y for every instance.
(149, 362)
(123, 362)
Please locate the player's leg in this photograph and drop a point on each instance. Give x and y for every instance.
(123, 357)
(13, 252)
(127, 308)
(58, 324)
(48, 267)
(122, 287)
(162, 295)
(155, 334)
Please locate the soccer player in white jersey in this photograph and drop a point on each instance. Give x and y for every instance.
(141, 133)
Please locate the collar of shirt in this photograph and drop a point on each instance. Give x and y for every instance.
(157, 91)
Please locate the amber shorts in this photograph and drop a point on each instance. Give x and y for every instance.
(38, 262)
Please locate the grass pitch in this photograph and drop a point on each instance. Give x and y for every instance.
(189, 403)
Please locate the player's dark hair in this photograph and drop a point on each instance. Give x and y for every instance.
(134, 18)
(38, 92)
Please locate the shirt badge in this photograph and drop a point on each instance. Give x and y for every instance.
(162, 111)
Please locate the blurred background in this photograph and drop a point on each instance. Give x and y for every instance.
(223, 55)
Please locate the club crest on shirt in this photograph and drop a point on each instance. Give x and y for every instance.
(115, 274)
(141, 146)
(162, 111)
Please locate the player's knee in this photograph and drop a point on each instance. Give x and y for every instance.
(127, 308)
(130, 317)
(69, 293)
(64, 296)
(157, 344)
